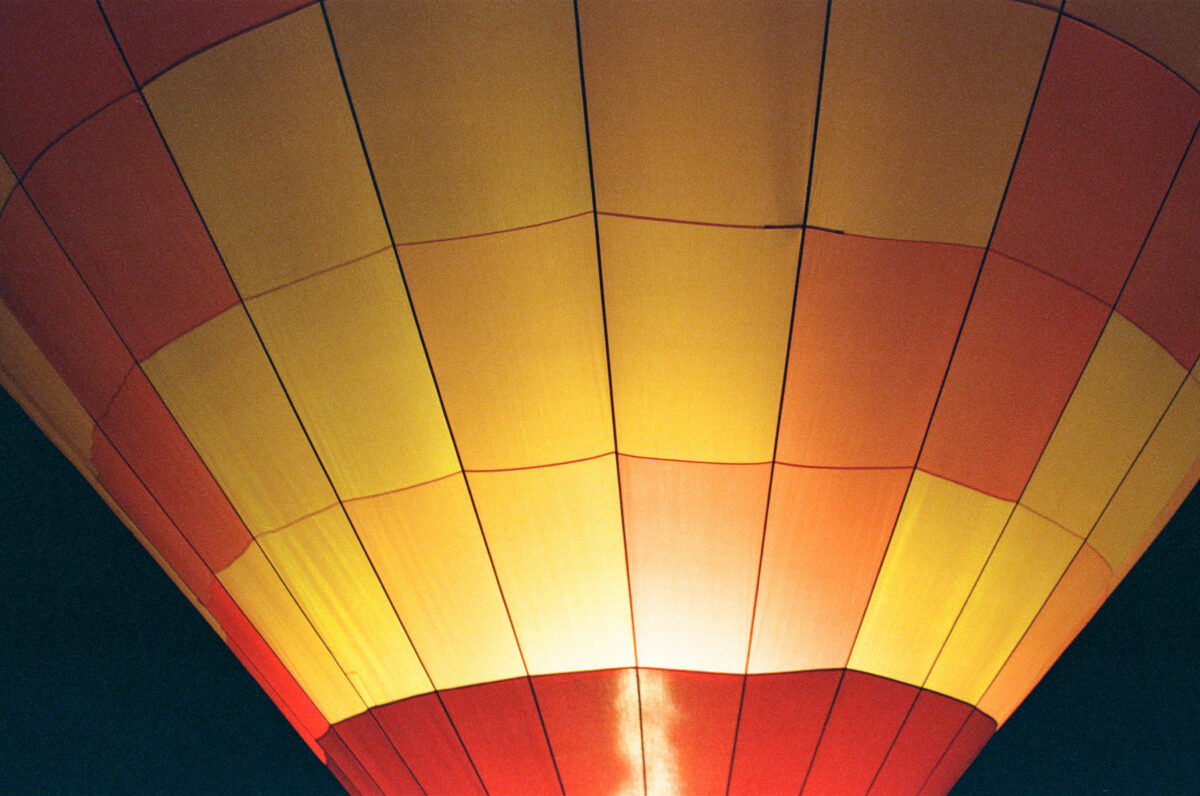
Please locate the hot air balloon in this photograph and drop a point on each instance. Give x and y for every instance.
(669, 398)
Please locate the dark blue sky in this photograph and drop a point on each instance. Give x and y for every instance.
(114, 684)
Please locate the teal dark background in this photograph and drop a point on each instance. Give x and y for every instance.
(112, 683)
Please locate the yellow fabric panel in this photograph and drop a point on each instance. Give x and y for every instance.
(1123, 391)
(1165, 514)
(426, 545)
(471, 111)
(1167, 29)
(921, 113)
(279, 206)
(942, 539)
(258, 591)
(555, 537)
(1024, 569)
(219, 386)
(348, 350)
(1161, 466)
(697, 324)
(327, 571)
(34, 383)
(513, 326)
(702, 111)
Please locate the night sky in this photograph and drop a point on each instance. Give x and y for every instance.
(114, 684)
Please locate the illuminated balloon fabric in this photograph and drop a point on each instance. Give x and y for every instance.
(754, 398)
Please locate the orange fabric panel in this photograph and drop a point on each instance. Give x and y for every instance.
(513, 328)
(709, 120)
(874, 325)
(826, 536)
(1026, 339)
(1072, 603)
(1108, 130)
(1163, 293)
(693, 532)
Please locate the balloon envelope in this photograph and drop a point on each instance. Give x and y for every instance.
(618, 398)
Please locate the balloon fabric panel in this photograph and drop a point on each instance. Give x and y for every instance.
(68, 68)
(693, 532)
(454, 615)
(1164, 287)
(513, 327)
(826, 536)
(1121, 395)
(1170, 32)
(873, 329)
(1106, 134)
(928, 732)
(347, 350)
(322, 564)
(499, 145)
(708, 121)
(918, 132)
(697, 327)
(124, 218)
(1075, 598)
(157, 36)
(1025, 341)
(554, 534)
(1161, 467)
(279, 207)
(942, 539)
(1023, 568)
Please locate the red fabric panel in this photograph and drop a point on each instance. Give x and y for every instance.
(376, 754)
(1105, 136)
(782, 718)
(500, 728)
(421, 733)
(971, 739)
(349, 767)
(140, 426)
(1025, 342)
(592, 721)
(43, 291)
(1163, 293)
(688, 724)
(157, 35)
(245, 639)
(874, 325)
(340, 777)
(865, 719)
(112, 196)
(130, 494)
(57, 65)
(931, 727)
